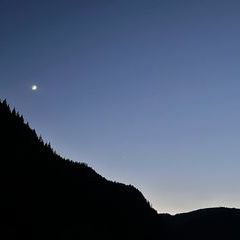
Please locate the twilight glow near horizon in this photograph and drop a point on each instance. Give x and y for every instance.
(146, 92)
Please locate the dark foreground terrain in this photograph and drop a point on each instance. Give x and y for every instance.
(44, 196)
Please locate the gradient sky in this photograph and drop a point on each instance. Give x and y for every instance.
(146, 92)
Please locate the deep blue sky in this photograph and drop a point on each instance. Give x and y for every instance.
(146, 92)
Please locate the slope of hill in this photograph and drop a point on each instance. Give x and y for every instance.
(44, 196)
(209, 223)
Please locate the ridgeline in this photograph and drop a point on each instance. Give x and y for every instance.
(44, 196)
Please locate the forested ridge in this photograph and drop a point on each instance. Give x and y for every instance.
(44, 196)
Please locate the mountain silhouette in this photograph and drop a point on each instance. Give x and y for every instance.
(44, 196)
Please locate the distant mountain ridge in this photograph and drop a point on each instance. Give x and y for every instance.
(44, 196)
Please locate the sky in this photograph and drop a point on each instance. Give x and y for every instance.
(144, 91)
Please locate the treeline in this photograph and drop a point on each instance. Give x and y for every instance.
(46, 196)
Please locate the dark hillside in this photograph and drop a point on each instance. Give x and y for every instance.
(46, 196)
(209, 223)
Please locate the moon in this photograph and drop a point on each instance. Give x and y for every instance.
(34, 87)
